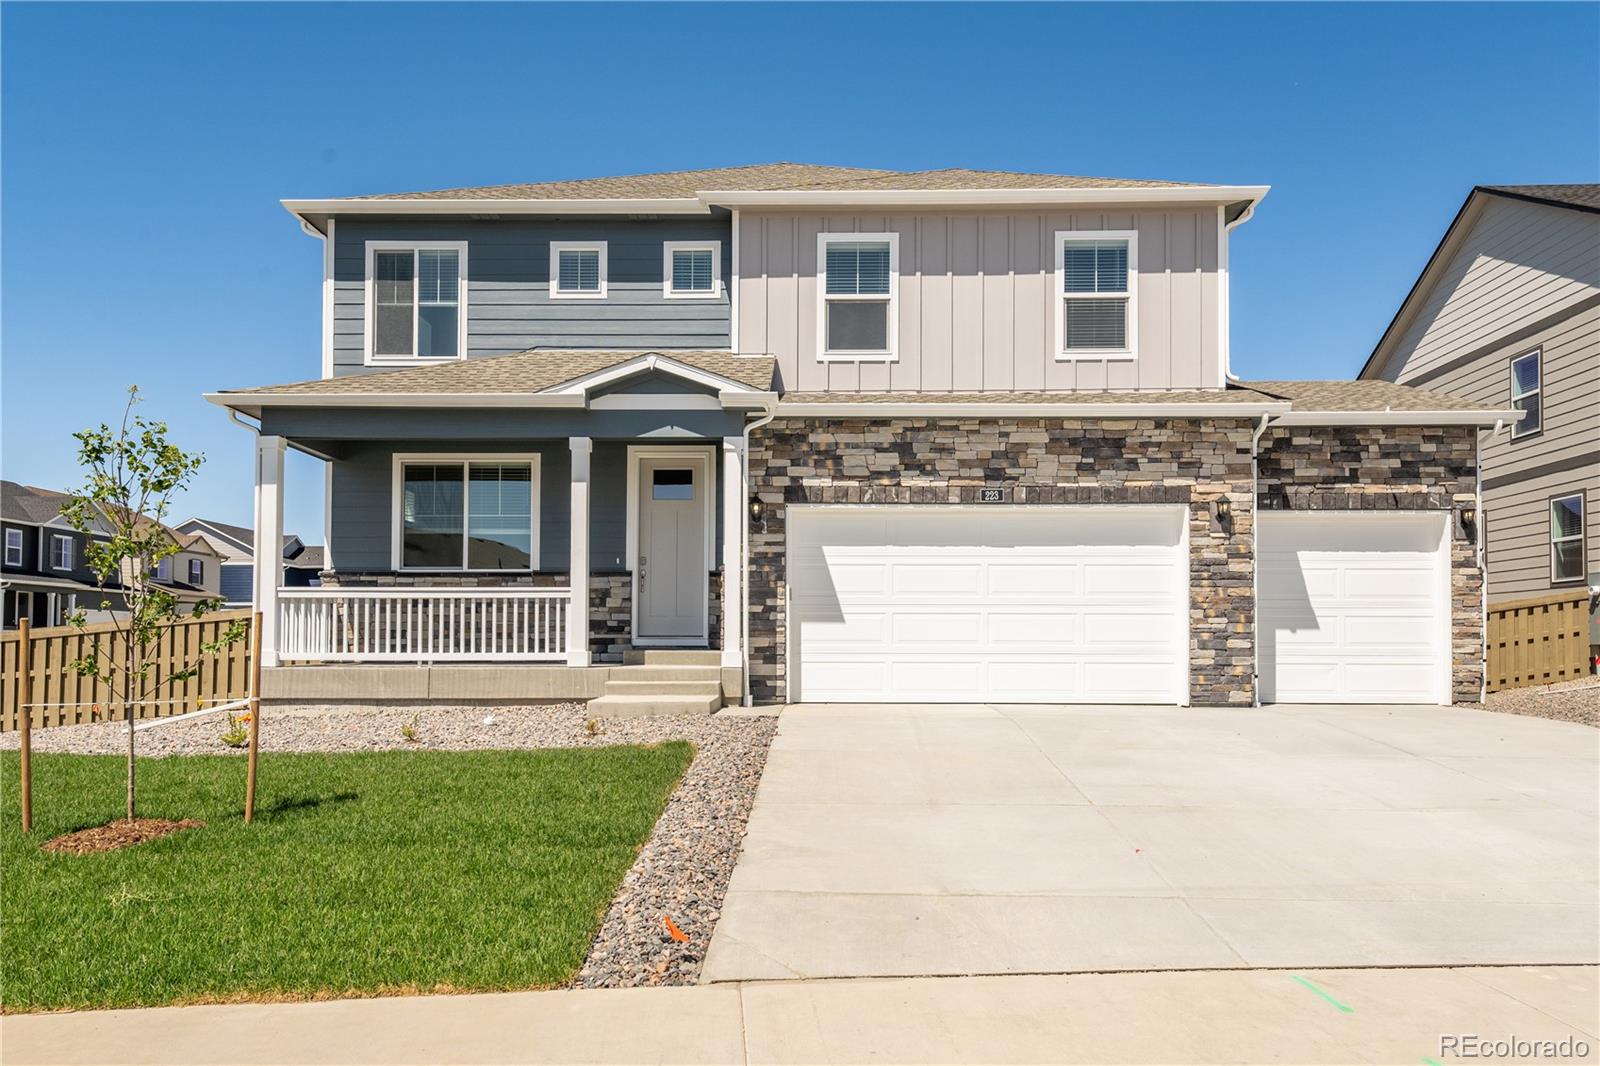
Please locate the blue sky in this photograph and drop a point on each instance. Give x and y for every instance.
(146, 148)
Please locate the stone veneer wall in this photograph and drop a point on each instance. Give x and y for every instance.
(610, 600)
(1392, 468)
(921, 461)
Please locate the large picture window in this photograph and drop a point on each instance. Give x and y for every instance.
(1096, 278)
(416, 301)
(467, 513)
(1567, 550)
(857, 285)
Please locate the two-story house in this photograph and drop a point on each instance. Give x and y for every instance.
(831, 434)
(1507, 312)
(235, 548)
(47, 575)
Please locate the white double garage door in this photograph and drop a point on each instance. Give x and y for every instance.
(1088, 604)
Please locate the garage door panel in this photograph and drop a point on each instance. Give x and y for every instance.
(1354, 608)
(1010, 605)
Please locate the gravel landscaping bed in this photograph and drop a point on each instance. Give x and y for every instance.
(681, 872)
(1568, 701)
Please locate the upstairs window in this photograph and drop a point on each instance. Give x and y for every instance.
(1525, 389)
(416, 301)
(197, 572)
(164, 569)
(691, 270)
(13, 547)
(60, 552)
(1095, 279)
(857, 289)
(578, 270)
(1567, 549)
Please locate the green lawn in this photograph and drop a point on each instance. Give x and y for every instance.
(364, 873)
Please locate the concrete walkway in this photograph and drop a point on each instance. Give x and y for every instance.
(906, 841)
(1335, 1016)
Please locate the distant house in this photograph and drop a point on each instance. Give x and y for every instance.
(1507, 313)
(236, 545)
(45, 572)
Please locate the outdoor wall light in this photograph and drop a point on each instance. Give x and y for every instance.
(1224, 512)
(758, 509)
(1469, 523)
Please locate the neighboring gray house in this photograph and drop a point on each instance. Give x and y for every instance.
(45, 570)
(830, 434)
(235, 545)
(1507, 313)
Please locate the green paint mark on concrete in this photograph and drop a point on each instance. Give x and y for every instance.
(1431, 1062)
(1324, 995)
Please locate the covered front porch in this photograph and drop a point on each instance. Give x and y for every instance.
(574, 530)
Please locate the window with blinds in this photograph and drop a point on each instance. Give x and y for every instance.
(416, 302)
(468, 514)
(858, 295)
(692, 269)
(1526, 389)
(1095, 283)
(577, 270)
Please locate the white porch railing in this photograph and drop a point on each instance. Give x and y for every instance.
(414, 625)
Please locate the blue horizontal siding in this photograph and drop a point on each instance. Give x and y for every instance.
(508, 302)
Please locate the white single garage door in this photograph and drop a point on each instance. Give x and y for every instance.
(996, 604)
(1354, 607)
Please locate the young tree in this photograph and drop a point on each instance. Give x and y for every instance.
(132, 474)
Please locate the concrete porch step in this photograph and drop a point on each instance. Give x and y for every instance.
(671, 657)
(663, 688)
(666, 673)
(649, 705)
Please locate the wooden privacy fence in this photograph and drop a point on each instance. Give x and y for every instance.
(61, 697)
(1539, 640)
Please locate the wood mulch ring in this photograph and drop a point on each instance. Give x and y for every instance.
(123, 833)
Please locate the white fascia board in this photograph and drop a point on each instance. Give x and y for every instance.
(309, 211)
(1034, 410)
(1396, 418)
(244, 401)
(1199, 194)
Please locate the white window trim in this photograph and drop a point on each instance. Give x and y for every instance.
(892, 353)
(1537, 355)
(14, 542)
(371, 337)
(1061, 295)
(56, 541)
(1581, 536)
(556, 248)
(669, 247)
(703, 459)
(397, 509)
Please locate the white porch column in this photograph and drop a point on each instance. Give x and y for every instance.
(733, 517)
(268, 569)
(578, 564)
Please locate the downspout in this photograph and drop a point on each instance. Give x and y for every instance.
(769, 409)
(1255, 562)
(1227, 295)
(1482, 554)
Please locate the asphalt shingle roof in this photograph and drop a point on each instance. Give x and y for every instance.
(30, 504)
(1085, 399)
(1362, 395)
(1583, 197)
(530, 371)
(769, 177)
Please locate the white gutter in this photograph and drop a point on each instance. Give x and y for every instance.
(1139, 194)
(769, 412)
(305, 209)
(1049, 410)
(233, 416)
(247, 400)
(1391, 417)
(1225, 319)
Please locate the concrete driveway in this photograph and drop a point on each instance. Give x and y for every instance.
(921, 840)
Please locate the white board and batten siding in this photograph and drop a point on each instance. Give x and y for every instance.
(988, 605)
(1354, 607)
(977, 301)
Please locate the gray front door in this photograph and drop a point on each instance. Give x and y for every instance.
(672, 551)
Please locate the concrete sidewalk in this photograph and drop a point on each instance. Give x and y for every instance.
(1326, 1016)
